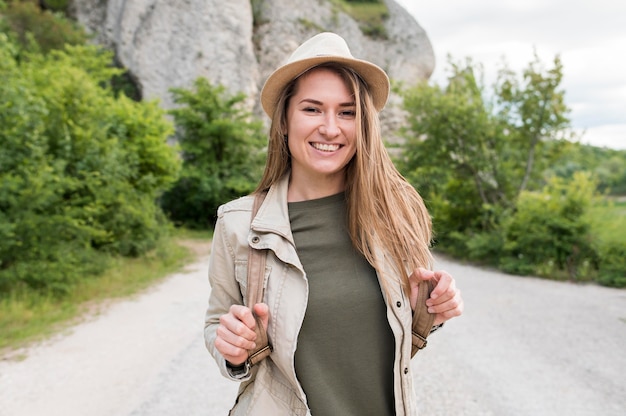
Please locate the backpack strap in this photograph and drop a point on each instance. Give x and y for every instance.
(254, 293)
(422, 319)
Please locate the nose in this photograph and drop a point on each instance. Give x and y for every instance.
(329, 127)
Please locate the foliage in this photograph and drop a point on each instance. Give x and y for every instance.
(370, 14)
(27, 316)
(55, 5)
(607, 219)
(471, 157)
(37, 29)
(221, 149)
(607, 165)
(503, 185)
(80, 169)
(548, 234)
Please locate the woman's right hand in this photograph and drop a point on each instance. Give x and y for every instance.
(235, 334)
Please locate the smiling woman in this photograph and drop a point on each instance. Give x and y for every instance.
(342, 235)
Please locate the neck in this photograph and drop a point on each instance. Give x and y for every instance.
(301, 189)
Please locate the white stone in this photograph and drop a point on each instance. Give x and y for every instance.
(170, 43)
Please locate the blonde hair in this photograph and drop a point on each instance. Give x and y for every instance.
(384, 211)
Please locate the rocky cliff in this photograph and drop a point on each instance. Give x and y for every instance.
(169, 43)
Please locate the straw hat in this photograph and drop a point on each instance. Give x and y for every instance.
(323, 48)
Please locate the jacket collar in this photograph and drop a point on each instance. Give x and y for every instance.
(273, 214)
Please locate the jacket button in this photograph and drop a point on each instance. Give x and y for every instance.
(256, 239)
(398, 304)
(406, 370)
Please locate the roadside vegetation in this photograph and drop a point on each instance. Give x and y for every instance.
(97, 203)
(505, 180)
(28, 315)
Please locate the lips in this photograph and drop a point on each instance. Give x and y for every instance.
(326, 147)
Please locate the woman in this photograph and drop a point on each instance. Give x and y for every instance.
(347, 242)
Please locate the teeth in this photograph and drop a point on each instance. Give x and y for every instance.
(325, 147)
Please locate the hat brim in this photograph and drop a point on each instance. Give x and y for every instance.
(375, 78)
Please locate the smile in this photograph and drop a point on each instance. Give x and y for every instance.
(326, 147)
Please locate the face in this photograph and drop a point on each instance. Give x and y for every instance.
(321, 129)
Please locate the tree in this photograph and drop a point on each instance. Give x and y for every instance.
(80, 169)
(535, 108)
(472, 152)
(221, 149)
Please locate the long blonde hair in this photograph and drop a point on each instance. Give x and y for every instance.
(384, 211)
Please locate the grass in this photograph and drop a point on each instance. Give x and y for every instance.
(607, 219)
(608, 222)
(371, 15)
(29, 317)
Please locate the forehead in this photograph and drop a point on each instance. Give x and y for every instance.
(320, 76)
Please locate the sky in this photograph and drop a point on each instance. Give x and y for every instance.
(588, 35)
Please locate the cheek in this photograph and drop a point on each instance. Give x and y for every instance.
(351, 136)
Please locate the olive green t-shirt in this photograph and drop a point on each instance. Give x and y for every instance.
(345, 352)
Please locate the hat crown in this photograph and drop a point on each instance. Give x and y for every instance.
(323, 48)
(324, 44)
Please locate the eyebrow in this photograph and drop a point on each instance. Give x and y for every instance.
(316, 102)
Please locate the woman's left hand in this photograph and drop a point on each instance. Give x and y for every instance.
(445, 300)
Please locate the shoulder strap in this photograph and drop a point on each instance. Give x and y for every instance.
(256, 263)
(422, 320)
(254, 293)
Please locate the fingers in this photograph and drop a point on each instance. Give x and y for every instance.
(263, 312)
(445, 300)
(448, 309)
(445, 288)
(235, 334)
(415, 279)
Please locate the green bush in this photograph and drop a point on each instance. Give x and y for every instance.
(608, 218)
(80, 170)
(548, 234)
(484, 247)
(221, 148)
(41, 29)
(612, 264)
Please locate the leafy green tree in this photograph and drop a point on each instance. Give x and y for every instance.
(472, 152)
(536, 109)
(80, 170)
(221, 149)
(502, 184)
(607, 165)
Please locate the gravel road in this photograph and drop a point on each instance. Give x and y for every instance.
(524, 346)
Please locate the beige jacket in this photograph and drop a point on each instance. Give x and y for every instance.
(271, 388)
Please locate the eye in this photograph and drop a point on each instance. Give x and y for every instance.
(347, 114)
(310, 110)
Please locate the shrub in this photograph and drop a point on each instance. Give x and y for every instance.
(221, 148)
(80, 169)
(548, 234)
(612, 264)
(42, 29)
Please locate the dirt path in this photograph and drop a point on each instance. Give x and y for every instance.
(524, 347)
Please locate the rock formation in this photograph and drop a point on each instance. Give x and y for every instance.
(237, 43)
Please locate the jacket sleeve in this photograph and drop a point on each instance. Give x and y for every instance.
(225, 291)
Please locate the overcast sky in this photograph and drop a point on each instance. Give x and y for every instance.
(589, 36)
